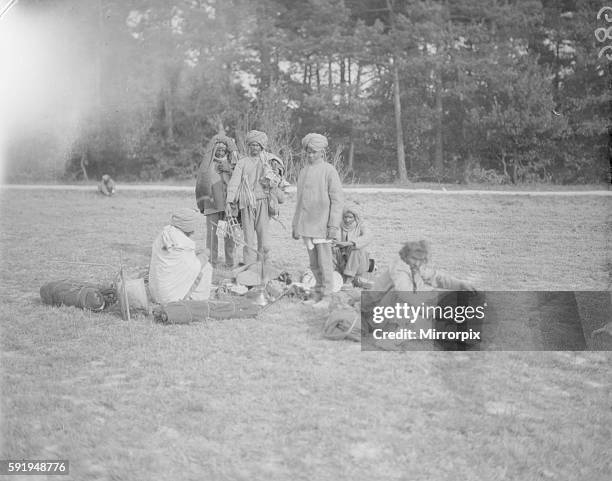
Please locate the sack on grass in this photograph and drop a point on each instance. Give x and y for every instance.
(83, 295)
(309, 280)
(186, 312)
(136, 293)
(343, 323)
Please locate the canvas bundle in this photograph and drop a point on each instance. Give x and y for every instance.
(78, 294)
(136, 294)
(186, 312)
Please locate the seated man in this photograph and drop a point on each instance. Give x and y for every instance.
(409, 274)
(106, 185)
(351, 259)
(177, 272)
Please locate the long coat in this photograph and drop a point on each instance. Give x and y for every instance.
(213, 177)
(319, 201)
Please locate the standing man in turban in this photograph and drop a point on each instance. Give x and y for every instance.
(245, 192)
(318, 214)
(177, 272)
(220, 157)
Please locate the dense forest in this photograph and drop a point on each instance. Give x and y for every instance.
(497, 91)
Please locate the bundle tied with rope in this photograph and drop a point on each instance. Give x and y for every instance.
(84, 295)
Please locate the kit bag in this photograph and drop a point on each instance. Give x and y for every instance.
(79, 294)
(186, 312)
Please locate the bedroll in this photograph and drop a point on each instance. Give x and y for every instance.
(79, 294)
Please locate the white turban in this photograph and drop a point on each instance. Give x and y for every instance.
(259, 137)
(185, 219)
(314, 141)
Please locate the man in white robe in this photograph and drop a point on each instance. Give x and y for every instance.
(177, 272)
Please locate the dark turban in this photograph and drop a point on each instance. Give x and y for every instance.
(259, 137)
(229, 143)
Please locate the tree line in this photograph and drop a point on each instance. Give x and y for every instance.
(498, 91)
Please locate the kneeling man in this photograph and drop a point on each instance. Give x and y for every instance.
(177, 272)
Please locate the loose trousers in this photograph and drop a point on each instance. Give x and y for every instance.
(352, 262)
(322, 266)
(255, 226)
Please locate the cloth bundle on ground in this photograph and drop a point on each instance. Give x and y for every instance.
(83, 295)
(344, 321)
(309, 281)
(185, 312)
(136, 293)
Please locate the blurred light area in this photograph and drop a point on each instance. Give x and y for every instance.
(42, 88)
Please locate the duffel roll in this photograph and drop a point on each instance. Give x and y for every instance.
(185, 312)
(78, 294)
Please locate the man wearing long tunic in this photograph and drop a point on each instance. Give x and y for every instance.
(214, 174)
(318, 214)
(246, 192)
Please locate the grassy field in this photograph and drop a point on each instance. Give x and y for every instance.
(268, 398)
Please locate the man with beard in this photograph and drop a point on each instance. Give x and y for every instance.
(246, 194)
(214, 174)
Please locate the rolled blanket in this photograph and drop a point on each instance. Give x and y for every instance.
(78, 294)
(186, 312)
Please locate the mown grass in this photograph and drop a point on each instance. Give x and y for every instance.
(268, 398)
